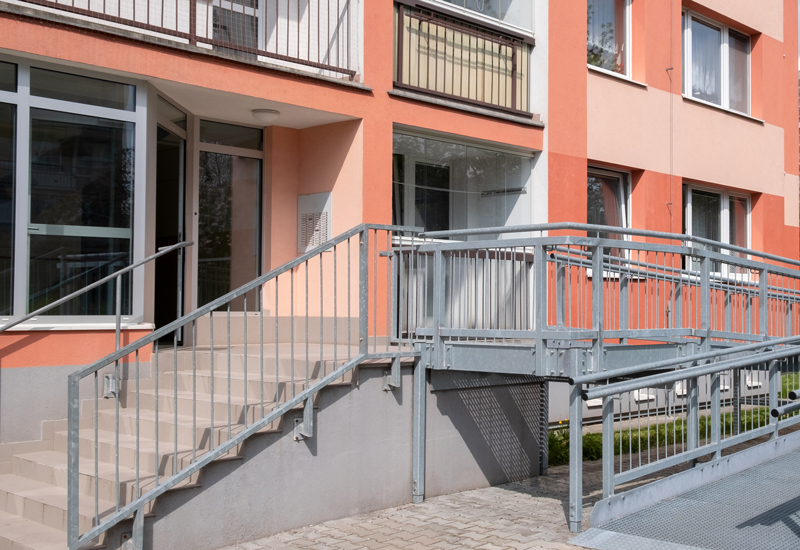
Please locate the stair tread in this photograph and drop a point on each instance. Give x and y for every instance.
(105, 470)
(50, 495)
(30, 534)
(183, 419)
(129, 441)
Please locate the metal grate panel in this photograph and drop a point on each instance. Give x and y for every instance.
(757, 508)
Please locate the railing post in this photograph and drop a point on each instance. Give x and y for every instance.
(439, 284)
(774, 388)
(716, 414)
(693, 415)
(544, 427)
(419, 427)
(193, 22)
(363, 292)
(540, 307)
(623, 305)
(560, 291)
(73, 461)
(575, 458)
(608, 446)
(705, 304)
(597, 308)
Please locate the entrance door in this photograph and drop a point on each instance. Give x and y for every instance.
(170, 164)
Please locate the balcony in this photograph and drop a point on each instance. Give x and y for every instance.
(442, 55)
(320, 36)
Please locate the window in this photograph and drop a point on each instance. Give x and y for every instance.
(717, 216)
(608, 35)
(67, 187)
(606, 201)
(716, 63)
(441, 185)
(515, 12)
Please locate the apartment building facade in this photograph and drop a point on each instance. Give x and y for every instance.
(258, 130)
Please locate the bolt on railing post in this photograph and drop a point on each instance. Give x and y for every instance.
(575, 458)
(73, 461)
(608, 446)
(774, 388)
(363, 291)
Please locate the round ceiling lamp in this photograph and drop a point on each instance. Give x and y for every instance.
(266, 116)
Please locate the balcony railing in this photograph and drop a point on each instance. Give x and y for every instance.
(443, 56)
(314, 34)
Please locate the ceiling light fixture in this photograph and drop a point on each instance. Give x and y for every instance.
(266, 116)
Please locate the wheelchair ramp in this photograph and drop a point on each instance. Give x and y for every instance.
(756, 508)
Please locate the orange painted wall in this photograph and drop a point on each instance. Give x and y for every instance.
(61, 348)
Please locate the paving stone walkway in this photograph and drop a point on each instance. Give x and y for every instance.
(515, 516)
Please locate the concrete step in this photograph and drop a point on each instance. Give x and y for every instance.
(288, 358)
(20, 533)
(165, 457)
(190, 432)
(51, 467)
(45, 503)
(200, 381)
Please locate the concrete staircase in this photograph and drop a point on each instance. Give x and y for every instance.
(33, 475)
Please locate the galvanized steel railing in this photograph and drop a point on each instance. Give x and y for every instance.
(318, 34)
(670, 419)
(279, 340)
(543, 293)
(526, 288)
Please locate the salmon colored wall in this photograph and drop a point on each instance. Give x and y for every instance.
(567, 112)
(61, 348)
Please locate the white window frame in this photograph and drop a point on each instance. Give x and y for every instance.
(624, 179)
(689, 16)
(724, 220)
(628, 74)
(24, 102)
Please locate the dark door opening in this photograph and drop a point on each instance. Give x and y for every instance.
(170, 167)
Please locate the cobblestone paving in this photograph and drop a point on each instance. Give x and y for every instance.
(515, 516)
(530, 514)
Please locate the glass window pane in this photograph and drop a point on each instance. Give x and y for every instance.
(706, 62)
(81, 170)
(738, 58)
(171, 113)
(81, 89)
(229, 247)
(605, 35)
(231, 135)
(738, 221)
(8, 77)
(432, 196)
(604, 203)
(62, 265)
(442, 185)
(7, 139)
(706, 215)
(515, 12)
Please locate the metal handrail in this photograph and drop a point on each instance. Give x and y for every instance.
(161, 252)
(560, 226)
(136, 505)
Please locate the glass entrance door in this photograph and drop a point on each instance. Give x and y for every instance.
(170, 189)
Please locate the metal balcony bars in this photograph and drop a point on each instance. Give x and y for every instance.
(316, 34)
